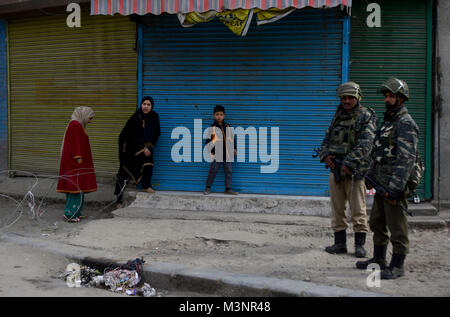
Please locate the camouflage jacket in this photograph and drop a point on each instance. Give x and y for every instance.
(394, 152)
(350, 137)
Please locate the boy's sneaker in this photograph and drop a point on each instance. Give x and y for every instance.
(207, 191)
(230, 192)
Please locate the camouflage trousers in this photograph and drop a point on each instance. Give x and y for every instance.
(353, 192)
(385, 218)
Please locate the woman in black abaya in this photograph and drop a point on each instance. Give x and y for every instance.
(136, 147)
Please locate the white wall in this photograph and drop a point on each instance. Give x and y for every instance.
(442, 101)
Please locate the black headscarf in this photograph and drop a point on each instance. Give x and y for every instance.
(152, 129)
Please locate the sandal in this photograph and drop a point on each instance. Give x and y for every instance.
(71, 219)
(149, 190)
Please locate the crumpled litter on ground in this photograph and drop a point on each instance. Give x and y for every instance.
(148, 291)
(118, 280)
(72, 276)
(122, 279)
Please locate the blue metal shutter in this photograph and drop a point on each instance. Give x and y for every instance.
(3, 97)
(282, 74)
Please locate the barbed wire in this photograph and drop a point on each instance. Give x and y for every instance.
(30, 205)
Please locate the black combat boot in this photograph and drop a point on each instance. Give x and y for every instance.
(340, 243)
(360, 240)
(395, 269)
(379, 257)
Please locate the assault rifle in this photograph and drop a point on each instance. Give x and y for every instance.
(337, 166)
(383, 192)
(368, 180)
(337, 170)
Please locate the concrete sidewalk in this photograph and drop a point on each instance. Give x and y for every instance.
(45, 188)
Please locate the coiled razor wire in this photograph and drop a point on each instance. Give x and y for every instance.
(28, 203)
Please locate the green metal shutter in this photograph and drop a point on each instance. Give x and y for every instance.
(399, 48)
(53, 69)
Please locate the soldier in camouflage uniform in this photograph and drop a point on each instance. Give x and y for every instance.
(350, 140)
(394, 157)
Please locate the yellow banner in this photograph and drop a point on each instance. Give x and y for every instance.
(271, 15)
(238, 21)
(192, 18)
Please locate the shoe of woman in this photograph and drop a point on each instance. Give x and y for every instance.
(71, 219)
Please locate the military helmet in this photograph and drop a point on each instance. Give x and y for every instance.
(396, 86)
(350, 89)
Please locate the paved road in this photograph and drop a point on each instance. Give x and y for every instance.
(280, 246)
(26, 271)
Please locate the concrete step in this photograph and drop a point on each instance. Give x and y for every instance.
(421, 209)
(196, 201)
(445, 215)
(270, 204)
(427, 222)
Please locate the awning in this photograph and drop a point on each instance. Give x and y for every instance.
(142, 7)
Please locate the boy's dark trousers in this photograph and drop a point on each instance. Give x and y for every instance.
(214, 167)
